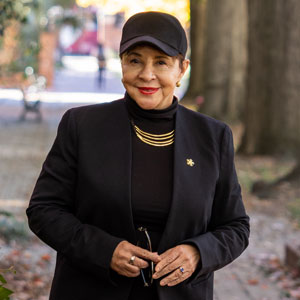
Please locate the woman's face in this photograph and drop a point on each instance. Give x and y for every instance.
(150, 76)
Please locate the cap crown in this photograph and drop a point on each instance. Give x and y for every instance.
(160, 26)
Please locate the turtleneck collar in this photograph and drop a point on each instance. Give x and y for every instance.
(140, 113)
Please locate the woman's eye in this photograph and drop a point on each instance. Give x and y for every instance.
(161, 62)
(134, 61)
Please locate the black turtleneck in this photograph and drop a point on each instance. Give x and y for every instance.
(152, 167)
(152, 179)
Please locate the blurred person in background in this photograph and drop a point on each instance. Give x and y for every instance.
(101, 65)
(139, 197)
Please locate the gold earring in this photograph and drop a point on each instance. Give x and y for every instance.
(178, 84)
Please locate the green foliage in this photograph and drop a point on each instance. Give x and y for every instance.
(29, 48)
(14, 10)
(4, 292)
(64, 3)
(33, 14)
(11, 228)
(28, 12)
(29, 43)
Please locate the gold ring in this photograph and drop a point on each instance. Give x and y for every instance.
(131, 261)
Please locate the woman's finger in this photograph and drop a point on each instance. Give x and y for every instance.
(138, 262)
(168, 268)
(123, 264)
(167, 258)
(131, 271)
(145, 254)
(172, 263)
(120, 260)
(175, 277)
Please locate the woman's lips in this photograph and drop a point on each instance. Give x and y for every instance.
(148, 90)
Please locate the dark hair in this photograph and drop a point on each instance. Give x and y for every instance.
(181, 59)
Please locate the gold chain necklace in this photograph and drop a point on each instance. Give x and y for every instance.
(157, 140)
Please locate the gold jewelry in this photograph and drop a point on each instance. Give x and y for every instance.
(190, 162)
(178, 84)
(157, 140)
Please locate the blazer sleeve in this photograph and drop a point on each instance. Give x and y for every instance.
(228, 230)
(51, 211)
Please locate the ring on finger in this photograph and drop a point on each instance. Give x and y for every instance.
(181, 270)
(131, 260)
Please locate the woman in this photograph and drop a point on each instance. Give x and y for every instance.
(139, 197)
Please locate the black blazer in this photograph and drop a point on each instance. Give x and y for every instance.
(81, 202)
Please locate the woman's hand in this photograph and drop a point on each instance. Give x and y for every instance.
(180, 261)
(120, 261)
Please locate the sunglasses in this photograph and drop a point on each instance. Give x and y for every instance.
(145, 242)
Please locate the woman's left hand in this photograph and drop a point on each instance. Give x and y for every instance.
(180, 261)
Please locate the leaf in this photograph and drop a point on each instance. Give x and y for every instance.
(253, 281)
(4, 293)
(2, 279)
(12, 270)
(46, 257)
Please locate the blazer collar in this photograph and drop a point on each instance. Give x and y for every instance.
(184, 162)
(121, 149)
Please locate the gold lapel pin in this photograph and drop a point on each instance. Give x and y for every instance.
(190, 162)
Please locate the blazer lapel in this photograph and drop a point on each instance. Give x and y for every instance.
(125, 155)
(186, 163)
(118, 165)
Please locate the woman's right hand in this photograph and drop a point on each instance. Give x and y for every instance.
(120, 261)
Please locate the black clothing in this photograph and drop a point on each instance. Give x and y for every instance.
(81, 204)
(152, 180)
(152, 167)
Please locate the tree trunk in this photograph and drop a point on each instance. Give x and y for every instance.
(197, 29)
(225, 58)
(272, 114)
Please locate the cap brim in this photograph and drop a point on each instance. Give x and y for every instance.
(148, 39)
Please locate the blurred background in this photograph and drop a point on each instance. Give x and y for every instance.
(245, 63)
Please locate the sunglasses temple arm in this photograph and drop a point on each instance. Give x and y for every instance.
(149, 240)
(144, 279)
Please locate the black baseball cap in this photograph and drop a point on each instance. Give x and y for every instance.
(159, 29)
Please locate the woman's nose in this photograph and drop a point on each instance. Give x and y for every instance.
(147, 73)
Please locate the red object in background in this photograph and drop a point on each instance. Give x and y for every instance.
(85, 44)
(199, 100)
